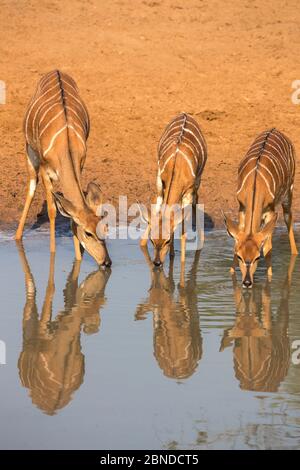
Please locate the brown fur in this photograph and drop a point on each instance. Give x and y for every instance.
(265, 179)
(56, 128)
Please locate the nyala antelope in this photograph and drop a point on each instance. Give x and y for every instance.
(56, 128)
(182, 156)
(265, 179)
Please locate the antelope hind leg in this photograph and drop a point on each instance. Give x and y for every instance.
(33, 168)
(51, 208)
(288, 218)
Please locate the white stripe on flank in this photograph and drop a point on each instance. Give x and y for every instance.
(47, 77)
(41, 106)
(191, 132)
(188, 162)
(176, 123)
(69, 84)
(81, 105)
(77, 115)
(267, 184)
(268, 171)
(166, 149)
(53, 139)
(172, 138)
(50, 122)
(279, 155)
(34, 103)
(166, 162)
(274, 163)
(79, 127)
(245, 164)
(192, 150)
(45, 84)
(277, 162)
(47, 111)
(190, 123)
(282, 151)
(244, 180)
(78, 135)
(168, 137)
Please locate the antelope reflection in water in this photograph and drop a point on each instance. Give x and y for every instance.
(261, 344)
(177, 341)
(51, 364)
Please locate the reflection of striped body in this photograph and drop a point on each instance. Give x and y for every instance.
(56, 115)
(182, 143)
(268, 168)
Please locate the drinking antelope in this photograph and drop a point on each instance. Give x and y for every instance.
(265, 179)
(56, 128)
(182, 156)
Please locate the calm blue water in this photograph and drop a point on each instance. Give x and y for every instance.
(131, 359)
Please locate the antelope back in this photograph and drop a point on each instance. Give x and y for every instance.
(56, 114)
(182, 156)
(267, 171)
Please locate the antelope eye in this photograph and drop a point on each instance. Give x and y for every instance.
(89, 235)
(256, 259)
(239, 257)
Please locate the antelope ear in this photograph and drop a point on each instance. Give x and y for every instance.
(65, 207)
(232, 227)
(267, 231)
(94, 197)
(143, 213)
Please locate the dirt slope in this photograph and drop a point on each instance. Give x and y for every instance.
(138, 63)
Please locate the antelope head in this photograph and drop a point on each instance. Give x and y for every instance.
(87, 225)
(162, 226)
(248, 247)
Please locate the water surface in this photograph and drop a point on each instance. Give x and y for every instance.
(130, 358)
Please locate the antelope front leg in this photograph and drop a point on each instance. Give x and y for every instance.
(234, 265)
(267, 251)
(51, 209)
(288, 218)
(144, 237)
(78, 248)
(267, 248)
